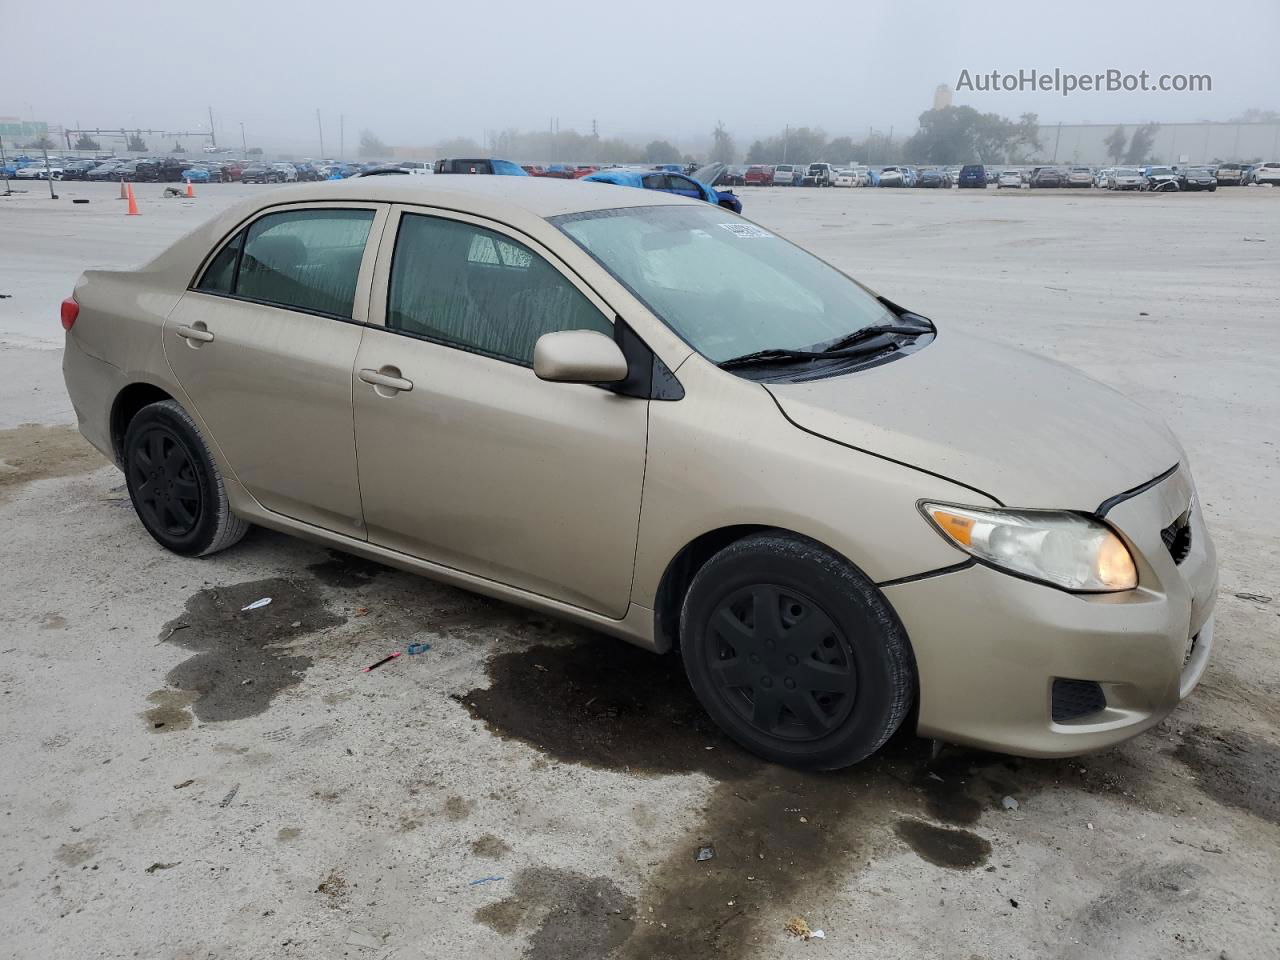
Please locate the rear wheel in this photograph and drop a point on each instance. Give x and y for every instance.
(794, 653)
(174, 484)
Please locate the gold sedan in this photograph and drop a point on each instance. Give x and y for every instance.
(653, 417)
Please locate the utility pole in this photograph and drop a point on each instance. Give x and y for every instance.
(595, 133)
(320, 126)
(244, 144)
(213, 136)
(786, 139)
(342, 119)
(5, 166)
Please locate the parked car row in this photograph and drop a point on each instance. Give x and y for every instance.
(975, 175)
(176, 170)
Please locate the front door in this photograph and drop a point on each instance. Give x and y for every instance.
(466, 458)
(263, 347)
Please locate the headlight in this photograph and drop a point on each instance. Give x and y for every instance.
(1066, 550)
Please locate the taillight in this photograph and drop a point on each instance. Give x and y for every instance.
(70, 310)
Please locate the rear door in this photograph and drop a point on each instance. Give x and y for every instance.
(263, 346)
(466, 458)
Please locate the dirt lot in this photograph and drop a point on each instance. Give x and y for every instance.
(183, 779)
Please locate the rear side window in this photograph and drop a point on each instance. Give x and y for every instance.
(305, 259)
(480, 291)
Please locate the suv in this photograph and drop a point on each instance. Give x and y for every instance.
(162, 170)
(819, 175)
(788, 175)
(1268, 172)
(489, 165)
(1080, 177)
(1042, 177)
(973, 175)
(261, 173)
(1229, 174)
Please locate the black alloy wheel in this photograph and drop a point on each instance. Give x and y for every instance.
(781, 663)
(174, 482)
(795, 653)
(164, 483)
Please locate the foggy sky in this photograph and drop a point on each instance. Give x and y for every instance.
(420, 72)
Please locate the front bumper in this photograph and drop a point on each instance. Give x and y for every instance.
(989, 646)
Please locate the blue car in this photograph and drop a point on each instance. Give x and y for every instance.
(697, 185)
(197, 175)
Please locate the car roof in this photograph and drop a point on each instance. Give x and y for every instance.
(478, 193)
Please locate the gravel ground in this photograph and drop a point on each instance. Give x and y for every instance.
(184, 779)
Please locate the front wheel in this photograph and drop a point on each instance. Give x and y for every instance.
(794, 653)
(175, 485)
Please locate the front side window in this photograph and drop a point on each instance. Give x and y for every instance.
(480, 291)
(685, 187)
(727, 286)
(305, 259)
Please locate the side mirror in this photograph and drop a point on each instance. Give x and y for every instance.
(578, 356)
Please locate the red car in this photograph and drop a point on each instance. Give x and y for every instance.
(533, 170)
(758, 175)
(583, 171)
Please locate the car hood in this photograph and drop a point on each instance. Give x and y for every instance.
(1025, 430)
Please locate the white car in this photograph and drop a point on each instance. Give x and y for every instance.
(892, 177)
(38, 171)
(846, 178)
(1268, 172)
(289, 170)
(788, 175)
(1009, 178)
(1102, 176)
(1126, 178)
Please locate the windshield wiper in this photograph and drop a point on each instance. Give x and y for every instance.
(855, 344)
(867, 333)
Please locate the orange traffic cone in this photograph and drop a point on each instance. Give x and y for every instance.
(133, 204)
(191, 191)
(124, 194)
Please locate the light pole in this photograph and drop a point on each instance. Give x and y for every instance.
(244, 144)
(48, 174)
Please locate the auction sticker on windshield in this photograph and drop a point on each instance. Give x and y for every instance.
(746, 231)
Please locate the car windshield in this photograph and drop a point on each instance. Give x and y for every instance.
(1160, 171)
(727, 286)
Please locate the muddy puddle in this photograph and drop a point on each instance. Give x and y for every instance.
(240, 662)
(783, 839)
(1235, 769)
(34, 451)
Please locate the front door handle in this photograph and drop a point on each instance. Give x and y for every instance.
(197, 331)
(386, 378)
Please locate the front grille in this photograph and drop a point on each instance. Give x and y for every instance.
(1073, 699)
(1177, 537)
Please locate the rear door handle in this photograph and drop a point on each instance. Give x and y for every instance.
(197, 332)
(388, 378)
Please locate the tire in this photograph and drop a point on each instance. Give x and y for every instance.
(851, 645)
(164, 453)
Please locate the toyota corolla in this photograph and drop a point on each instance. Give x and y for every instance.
(648, 415)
